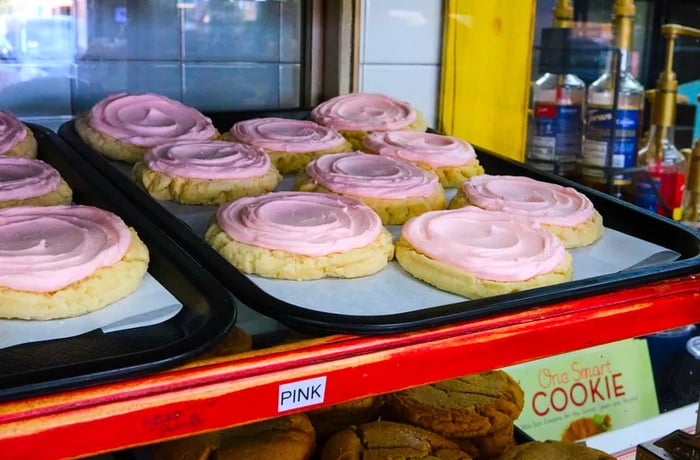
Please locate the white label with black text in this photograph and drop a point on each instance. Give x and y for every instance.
(301, 394)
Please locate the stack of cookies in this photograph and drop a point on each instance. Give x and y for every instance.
(475, 411)
(465, 418)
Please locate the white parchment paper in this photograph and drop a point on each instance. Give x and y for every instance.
(149, 304)
(393, 291)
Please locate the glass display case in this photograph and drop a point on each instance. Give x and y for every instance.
(245, 58)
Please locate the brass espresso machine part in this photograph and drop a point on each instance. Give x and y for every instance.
(663, 106)
(691, 194)
(563, 14)
(664, 165)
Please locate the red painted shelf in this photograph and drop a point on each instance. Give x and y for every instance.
(224, 392)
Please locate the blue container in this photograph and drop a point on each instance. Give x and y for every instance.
(645, 196)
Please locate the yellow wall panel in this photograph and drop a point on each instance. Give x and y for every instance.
(485, 81)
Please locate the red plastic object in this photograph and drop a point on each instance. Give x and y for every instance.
(224, 392)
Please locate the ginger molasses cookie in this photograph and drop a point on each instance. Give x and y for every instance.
(490, 445)
(469, 406)
(390, 440)
(283, 438)
(553, 450)
(476, 411)
(331, 419)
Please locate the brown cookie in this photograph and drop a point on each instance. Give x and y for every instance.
(553, 450)
(464, 407)
(488, 446)
(284, 438)
(397, 441)
(329, 420)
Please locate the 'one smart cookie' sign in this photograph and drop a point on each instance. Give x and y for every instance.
(579, 394)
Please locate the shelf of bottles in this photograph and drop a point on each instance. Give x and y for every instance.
(593, 134)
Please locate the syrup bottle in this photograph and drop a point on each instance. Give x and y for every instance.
(554, 143)
(607, 151)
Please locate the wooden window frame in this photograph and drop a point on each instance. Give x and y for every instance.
(331, 49)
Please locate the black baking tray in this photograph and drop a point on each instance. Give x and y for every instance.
(617, 214)
(208, 310)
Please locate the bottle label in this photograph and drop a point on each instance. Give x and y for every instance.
(557, 133)
(599, 123)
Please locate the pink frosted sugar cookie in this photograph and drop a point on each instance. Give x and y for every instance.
(291, 144)
(205, 172)
(301, 236)
(452, 159)
(478, 253)
(16, 139)
(564, 211)
(64, 261)
(27, 182)
(355, 115)
(396, 189)
(123, 126)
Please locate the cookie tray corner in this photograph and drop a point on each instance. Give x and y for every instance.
(207, 314)
(618, 214)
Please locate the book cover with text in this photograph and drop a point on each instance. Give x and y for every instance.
(582, 393)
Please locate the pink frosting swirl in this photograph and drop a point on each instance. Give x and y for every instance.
(208, 160)
(364, 112)
(312, 224)
(543, 202)
(492, 245)
(22, 178)
(12, 131)
(432, 149)
(147, 119)
(366, 175)
(285, 135)
(46, 248)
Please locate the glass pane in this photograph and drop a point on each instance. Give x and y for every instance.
(58, 57)
(245, 86)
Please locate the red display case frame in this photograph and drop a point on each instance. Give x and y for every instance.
(224, 392)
